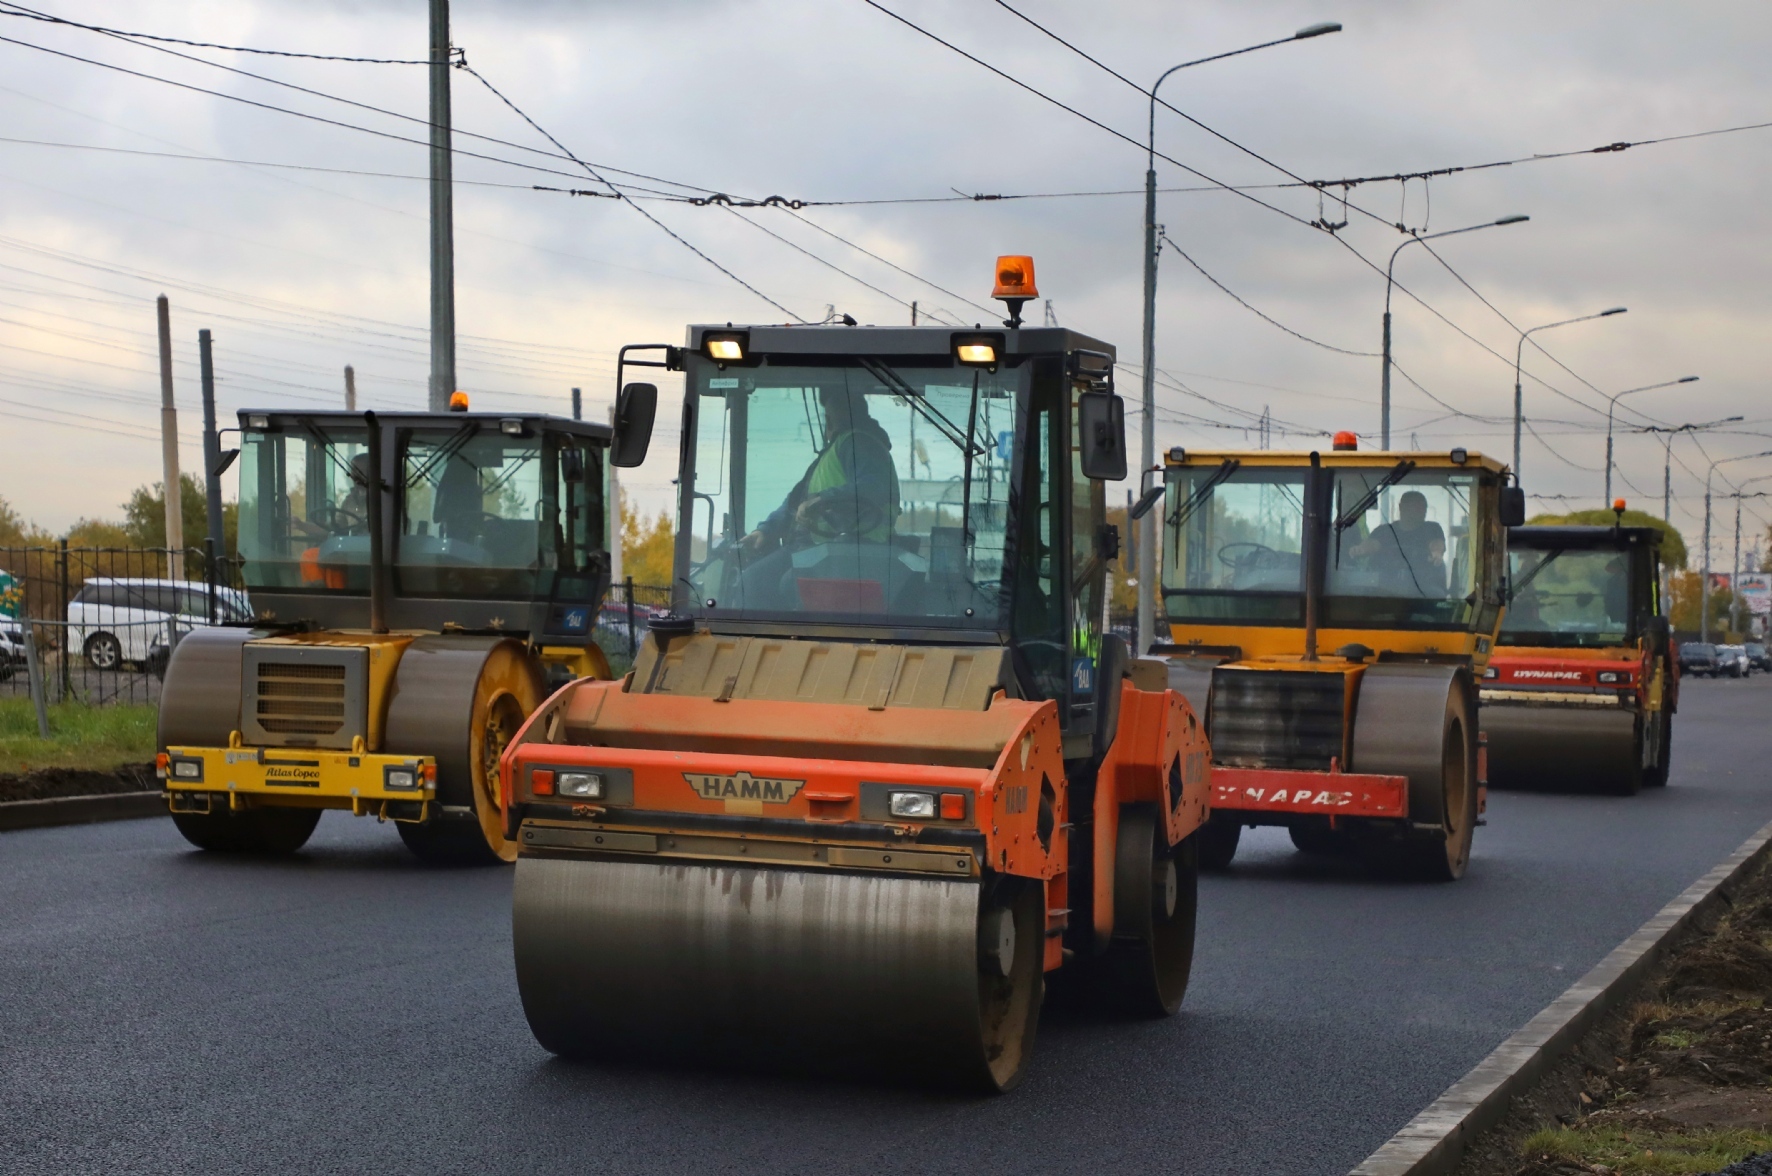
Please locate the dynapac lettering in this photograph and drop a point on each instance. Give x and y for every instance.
(743, 786)
(1550, 675)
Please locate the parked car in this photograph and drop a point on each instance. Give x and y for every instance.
(12, 647)
(1700, 659)
(1759, 656)
(1734, 659)
(115, 622)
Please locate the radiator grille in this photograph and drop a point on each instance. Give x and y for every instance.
(1276, 718)
(304, 696)
(301, 699)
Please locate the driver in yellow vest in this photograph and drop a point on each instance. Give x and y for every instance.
(850, 488)
(849, 491)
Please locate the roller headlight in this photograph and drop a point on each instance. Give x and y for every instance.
(187, 769)
(587, 785)
(916, 805)
(400, 779)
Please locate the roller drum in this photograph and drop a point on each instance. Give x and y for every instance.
(200, 699)
(1549, 746)
(864, 975)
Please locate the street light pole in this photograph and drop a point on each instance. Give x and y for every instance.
(1384, 378)
(1146, 535)
(1519, 399)
(1611, 402)
(1704, 584)
(442, 216)
(1735, 576)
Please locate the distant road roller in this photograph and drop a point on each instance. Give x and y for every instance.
(1330, 614)
(416, 579)
(1582, 689)
(883, 772)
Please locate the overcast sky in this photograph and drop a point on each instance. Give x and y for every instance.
(298, 273)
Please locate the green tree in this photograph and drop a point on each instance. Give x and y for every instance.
(12, 526)
(646, 546)
(144, 515)
(1673, 547)
(1683, 605)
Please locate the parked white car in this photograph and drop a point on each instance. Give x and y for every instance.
(115, 622)
(12, 646)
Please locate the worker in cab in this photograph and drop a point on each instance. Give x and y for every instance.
(848, 492)
(1410, 553)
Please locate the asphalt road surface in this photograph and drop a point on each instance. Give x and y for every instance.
(351, 1011)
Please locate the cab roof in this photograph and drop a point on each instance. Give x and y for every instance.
(884, 342)
(284, 417)
(1336, 458)
(1583, 538)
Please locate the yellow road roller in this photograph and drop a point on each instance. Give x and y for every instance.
(419, 582)
(1330, 614)
(881, 773)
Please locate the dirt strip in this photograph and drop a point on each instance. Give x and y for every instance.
(1676, 1080)
(54, 783)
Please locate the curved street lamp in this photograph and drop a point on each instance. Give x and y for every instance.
(1611, 402)
(1518, 351)
(1384, 386)
(1146, 537)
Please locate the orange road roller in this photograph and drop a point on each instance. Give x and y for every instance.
(881, 773)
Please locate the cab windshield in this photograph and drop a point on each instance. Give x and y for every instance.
(471, 513)
(1233, 540)
(304, 516)
(850, 491)
(1398, 546)
(1564, 597)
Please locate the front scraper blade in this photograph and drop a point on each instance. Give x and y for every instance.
(864, 975)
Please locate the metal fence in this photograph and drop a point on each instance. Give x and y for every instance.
(624, 618)
(95, 625)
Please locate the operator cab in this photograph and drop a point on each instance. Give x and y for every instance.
(489, 522)
(918, 485)
(1582, 587)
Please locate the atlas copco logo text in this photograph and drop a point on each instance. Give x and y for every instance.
(743, 786)
(1549, 675)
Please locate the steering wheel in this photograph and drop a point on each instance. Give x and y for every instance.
(330, 516)
(840, 516)
(1251, 558)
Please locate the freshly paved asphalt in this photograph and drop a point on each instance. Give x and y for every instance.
(349, 1010)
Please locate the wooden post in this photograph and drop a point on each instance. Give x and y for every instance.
(174, 488)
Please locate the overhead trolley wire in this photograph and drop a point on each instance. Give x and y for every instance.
(32, 14)
(1170, 241)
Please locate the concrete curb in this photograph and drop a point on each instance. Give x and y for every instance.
(80, 810)
(1434, 1141)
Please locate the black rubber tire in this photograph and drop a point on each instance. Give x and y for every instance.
(1319, 839)
(1628, 780)
(1655, 775)
(1218, 840)
(447, 843)
(1156, 906)
(266, 831)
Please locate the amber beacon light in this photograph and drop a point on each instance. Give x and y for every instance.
(1015, 285)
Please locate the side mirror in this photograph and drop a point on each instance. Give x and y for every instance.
(1101, 436)
(634, 410)
(225, 459)
(1513, 506)
(572, 465)
(1107, 543)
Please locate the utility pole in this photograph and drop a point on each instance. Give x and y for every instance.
(174, 487)
(211, 447)
(1144, 627)
(913, 313)
(442, 217)
(578, 406)
(350, 389)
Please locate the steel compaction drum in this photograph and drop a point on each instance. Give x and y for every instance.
(1560, 746)
(865, 975)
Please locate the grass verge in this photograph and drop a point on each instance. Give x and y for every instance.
(1595, 1147)
(90, 738)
